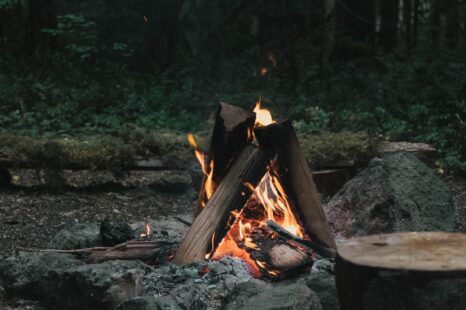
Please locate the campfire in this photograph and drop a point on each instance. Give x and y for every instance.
(257, 201)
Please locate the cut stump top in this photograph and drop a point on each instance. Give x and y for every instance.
(420, 251)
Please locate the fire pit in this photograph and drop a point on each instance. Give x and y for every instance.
(258, 200)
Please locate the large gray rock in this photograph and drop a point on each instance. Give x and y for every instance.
(200, 285)
(76, 236)
(150, 303)
(21, 274)
(115, 232)
(259, 296)
(93, 286)
(395, 193)
(323, 284)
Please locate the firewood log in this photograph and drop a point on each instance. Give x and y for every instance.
(425, 270)
(215, 219)
(284, 234)
(286, 258)
(230, 136)
(297, 179)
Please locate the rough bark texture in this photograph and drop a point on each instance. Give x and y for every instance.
(402, 271)
(215, 219)
(229, 137)
(297, 179)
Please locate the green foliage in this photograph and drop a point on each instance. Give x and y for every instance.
(8, 3)
(99, 69)
(79, 35)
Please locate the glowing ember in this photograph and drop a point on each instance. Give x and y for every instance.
(272, 58)
(264, 71)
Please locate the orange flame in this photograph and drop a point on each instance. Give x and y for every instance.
(208, 171)
(146, 234)
(275, 205)
(267, 202)
(263, 116)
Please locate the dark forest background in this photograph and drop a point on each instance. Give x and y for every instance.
(396, 69)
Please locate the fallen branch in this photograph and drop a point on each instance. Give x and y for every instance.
(286, 235)
(143, 250)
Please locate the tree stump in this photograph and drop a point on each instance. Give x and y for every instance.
(416, 270)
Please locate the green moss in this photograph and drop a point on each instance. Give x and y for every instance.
(355, 146)
(115, 152)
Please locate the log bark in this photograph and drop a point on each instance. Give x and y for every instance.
(230, 136)
(286, 235)
(297, 179)
(286, 258)
(425, 270)
(215, 219)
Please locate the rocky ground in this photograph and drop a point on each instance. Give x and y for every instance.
(31, 216)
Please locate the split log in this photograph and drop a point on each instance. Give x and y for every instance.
(286, 235)
(286, 258)
(142, 250)
(215, 219)
(297, 179)
(230, 136)
(425, 270)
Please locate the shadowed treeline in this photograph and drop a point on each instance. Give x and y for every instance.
(391, 68)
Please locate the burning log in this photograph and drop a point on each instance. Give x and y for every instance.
(417, 270)
(215, 219)
(297, 178)
(287, 259)
(142, 250)
(286, 235)
(232, 132)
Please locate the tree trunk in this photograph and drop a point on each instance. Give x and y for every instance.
(452, 35)
(415, 22)
(389, 24)
(297, 179)
(209, 228)
(408, 19)
(329, 37)
(435, 23)
(358, 19)
(409, 271)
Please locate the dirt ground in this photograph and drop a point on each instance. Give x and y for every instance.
(31, 217)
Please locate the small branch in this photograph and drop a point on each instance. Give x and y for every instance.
(182, 220)
(286, 235)
(144, 250)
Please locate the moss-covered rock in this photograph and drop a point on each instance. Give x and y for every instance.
(327, 147)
